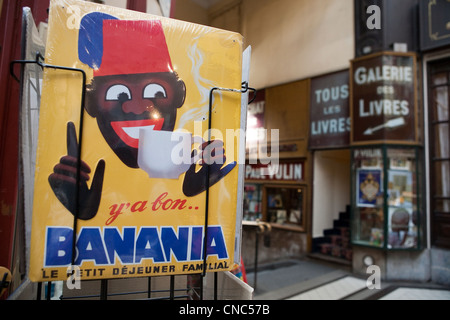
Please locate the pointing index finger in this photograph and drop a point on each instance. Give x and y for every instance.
(72, 143)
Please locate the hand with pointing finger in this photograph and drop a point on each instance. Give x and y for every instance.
(63, 180)
(212, 158)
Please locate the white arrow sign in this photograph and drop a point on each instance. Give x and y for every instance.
(394, 123)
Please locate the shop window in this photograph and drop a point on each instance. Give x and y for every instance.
(285, 205)
(278, 197)
(252, 201)
(386, 202)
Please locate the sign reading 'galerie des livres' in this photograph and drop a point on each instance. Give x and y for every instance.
(383, 99)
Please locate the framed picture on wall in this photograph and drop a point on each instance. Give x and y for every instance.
(369, 187)
(281, 216)
(400, 185)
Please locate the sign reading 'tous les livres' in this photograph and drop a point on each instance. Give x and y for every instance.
(329, 111)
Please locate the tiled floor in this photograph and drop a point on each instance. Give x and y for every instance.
(334, 290)
(349, 285)
(313, 280)
(417, 294)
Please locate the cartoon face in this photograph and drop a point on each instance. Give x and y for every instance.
(122, 104)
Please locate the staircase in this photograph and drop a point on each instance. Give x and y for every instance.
(335, 243)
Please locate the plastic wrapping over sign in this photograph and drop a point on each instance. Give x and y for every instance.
(146, 152)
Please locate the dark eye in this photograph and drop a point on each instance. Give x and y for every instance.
(154, 90)
(118, 91)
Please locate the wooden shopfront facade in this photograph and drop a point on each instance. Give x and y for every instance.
(308, 198)
(278, 193)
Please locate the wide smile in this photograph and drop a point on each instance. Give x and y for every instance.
(128, 131)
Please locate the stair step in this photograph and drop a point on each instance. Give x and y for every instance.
(345, 232)
(336, 251)
(341, 223)
(316, 242)
(325, 248)
(329, 232)
(336, 241)
(344, 215)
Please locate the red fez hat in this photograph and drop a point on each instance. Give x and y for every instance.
(131, 47)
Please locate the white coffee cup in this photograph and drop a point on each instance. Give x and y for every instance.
(165, 154)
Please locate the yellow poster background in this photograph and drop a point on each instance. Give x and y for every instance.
(203, 57)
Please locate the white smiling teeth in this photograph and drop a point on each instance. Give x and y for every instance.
(133, 132)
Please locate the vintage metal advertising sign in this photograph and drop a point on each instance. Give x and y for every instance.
(157, 191)
(329, 112)
(383, 99)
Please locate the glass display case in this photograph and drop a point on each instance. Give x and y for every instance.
(386, 201)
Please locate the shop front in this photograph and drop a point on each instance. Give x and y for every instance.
(278, 198)
(387, 165)
(275, 212)
(304, 198)
(277, 188)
